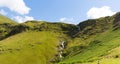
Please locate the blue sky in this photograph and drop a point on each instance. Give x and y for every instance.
(69, 11)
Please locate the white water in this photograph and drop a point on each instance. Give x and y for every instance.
(61, 49)
(60, 54)
(63, 46)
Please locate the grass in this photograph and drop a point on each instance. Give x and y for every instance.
(105, 61)
(36, 42)
(32, 24)
(4, 19)
(32, 42)
(29, 48)
(96, 50)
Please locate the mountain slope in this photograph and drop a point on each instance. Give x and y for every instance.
(36, 48)
(92, 43)
(34, 42)
(40, 42)
(5, 26)
(4, 19)
(97, 48)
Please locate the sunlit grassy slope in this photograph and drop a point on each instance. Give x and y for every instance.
(98, 49)
(94, 42)
(112, 57)
(29, 48)
(32, 42)
(5, 26)
(4, 19)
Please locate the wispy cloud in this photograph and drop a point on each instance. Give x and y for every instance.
(22, 19)
(67, 20)
(16, 6)
(96, 12)
(3, 12)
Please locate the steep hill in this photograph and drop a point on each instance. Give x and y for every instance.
(39, 42)
(4, 19)
(93, 43)
(5, 26)
(33, 42)
(36, 48)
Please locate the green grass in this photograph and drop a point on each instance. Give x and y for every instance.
(5, 26)
(96, 50)
(112, 57)
(29, 48)
(32, 42)
(36, 42)
(4, 19)
(32, 24)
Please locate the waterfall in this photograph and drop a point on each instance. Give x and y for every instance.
(60, 54)
(62, 46)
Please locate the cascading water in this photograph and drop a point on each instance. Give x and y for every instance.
(60, 54)
(62, 46)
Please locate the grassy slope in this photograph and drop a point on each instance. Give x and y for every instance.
(5, 26)
(36, 46)
(32, 42)
(98, 48)
(91, 33)
(29, 48)
(4, 19)
(111, 58)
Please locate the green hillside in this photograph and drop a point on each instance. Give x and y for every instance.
(33, 42)
(5, 26)
(97, 48)
(4, 19)
(36, 48)
(94, 41)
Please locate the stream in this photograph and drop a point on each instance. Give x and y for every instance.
(62, 46)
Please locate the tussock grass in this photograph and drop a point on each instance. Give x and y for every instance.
(29, 48)
(96, 50)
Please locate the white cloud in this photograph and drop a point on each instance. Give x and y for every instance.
(3, 12)
(16, 6)
(21, 19)
(96, 12)
(67, 20)
(62, 19)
